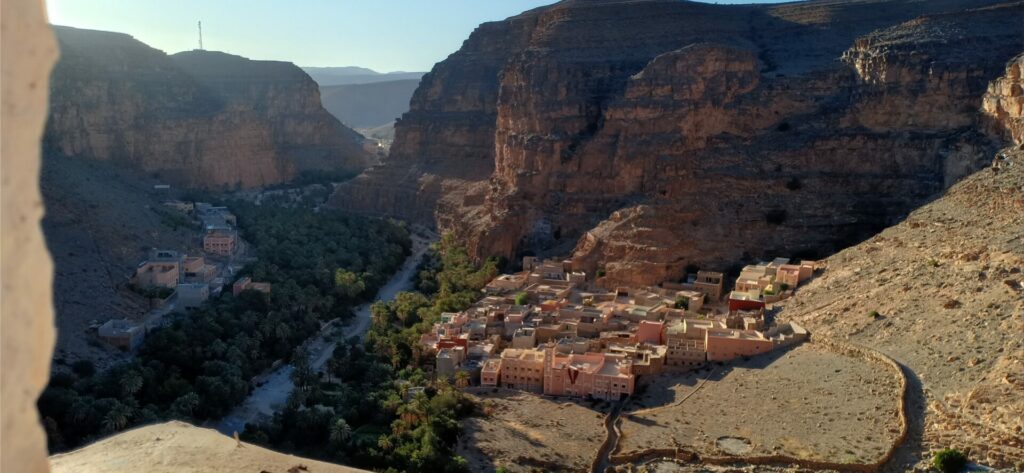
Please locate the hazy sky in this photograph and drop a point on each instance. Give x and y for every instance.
(385, 35)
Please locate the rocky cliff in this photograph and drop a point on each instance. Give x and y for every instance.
(645, 136)
(1004, 101)
(198, 118)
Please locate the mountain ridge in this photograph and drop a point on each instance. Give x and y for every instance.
(196, 118)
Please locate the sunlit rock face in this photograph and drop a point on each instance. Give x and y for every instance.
(197, 118)
(643, 137)
(1004, 101)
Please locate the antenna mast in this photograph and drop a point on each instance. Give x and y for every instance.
(200, 34)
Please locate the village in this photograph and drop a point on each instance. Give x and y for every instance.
(550, 330)
(175, 282)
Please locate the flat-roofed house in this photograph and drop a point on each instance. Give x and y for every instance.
(739, 300)
(151, 274)
(220, 242)
(122, 334)
(246, 283)
(195, 269)
(710, 283)
(192, 295)
(728, 344)
(525, 337)
(523, 369)
(506, 283)
(490, 373)
(449, 360)
(599, 375)
(649, 332)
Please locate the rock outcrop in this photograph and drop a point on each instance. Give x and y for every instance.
(1004, 101)
(175, 446)
(198, 118)
(648, 136)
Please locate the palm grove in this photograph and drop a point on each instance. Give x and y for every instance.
(197, 367)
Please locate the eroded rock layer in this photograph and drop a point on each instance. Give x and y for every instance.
(197, 118)
(645, 136)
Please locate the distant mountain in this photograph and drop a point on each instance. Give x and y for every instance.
(328, 76)
(200, 119)
(368, 105)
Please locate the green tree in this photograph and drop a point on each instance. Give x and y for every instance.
(348, 284)
(117, 418)
(185, 406)
(341, 432)
(461, 379)
(521, 298)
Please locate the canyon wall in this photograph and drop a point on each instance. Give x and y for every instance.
(198, 118)
(644, 137)
(1004, 101)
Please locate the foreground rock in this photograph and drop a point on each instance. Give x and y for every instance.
(656, 134)
(196, 118)
(175, 447)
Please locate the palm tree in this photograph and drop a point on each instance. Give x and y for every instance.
(462, 379)
(131, 383)
(117, 418)
(340, 432)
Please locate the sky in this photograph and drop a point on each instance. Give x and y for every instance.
(384, 35)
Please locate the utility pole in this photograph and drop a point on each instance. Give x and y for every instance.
(200, 35)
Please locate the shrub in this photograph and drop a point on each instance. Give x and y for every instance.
(600, 273)
(933, 263)
(874, 314)
(682, 303)
(949, 461)
(784, 287)
(521, 298)
(769, 292)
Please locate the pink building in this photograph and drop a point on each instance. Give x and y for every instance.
(728, 344)
(490, 373)
(650, 332)
(156, 274)
(598, 375)
(220, 242)
(246, 283)
(523, 369)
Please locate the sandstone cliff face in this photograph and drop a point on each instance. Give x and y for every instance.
(647, 136)
(198, 119)
(1004, 101)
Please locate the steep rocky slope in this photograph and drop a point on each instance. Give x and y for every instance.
(948, 286)
(645, 136)
(175, 447)
(198, 118)
(101, 221)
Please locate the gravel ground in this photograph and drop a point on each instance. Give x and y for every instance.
(806, 403)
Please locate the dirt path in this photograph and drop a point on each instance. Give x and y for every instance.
(276, 385)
